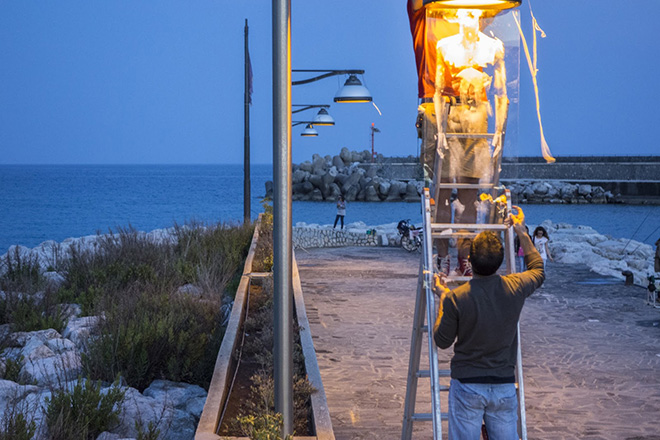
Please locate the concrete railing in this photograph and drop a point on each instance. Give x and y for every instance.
(220, 385)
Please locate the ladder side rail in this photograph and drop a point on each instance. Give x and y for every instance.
(415, 354)
(511, 268)
(440, 152)
(430, 320)
(522, 416)
(497, 163)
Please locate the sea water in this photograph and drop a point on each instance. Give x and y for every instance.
(55, 202)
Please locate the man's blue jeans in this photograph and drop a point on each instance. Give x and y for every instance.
(495, 404)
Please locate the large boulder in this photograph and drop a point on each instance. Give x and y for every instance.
(541, 188)
(333, 192)
(316, 180)
(78, 330)
(319, 166)
(397, 190)
(351, 193)
(316, 195)
(384, 188)
(306, 166)
(568, 191)
(329, 177)
(584, 190)
(299, 176)
(176, 423)
(352, 180)
(46, 358)
(411, 194)
(186, 397)
(346, 156)
(356, 157)
(338, 162)
(341, 178)
(371, 194)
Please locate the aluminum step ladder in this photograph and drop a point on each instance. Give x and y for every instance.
(424, 318)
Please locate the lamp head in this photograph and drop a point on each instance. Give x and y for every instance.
(323, 118)
(498, 5)
(353, 91)
(309, 131)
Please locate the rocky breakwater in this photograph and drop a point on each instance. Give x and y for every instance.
(558, 192)
(326, 178)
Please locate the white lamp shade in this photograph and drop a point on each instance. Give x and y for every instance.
(309, 131)
(323, 118)
(353, 91)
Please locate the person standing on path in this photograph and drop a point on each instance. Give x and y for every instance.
(341, 212)
(520, 253)
(540, 240)
(480, 318)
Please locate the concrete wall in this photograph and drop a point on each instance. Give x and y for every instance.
(584, 169)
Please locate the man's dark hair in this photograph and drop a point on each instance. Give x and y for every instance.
(486, 253)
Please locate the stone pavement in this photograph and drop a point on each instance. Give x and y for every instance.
(591, 348)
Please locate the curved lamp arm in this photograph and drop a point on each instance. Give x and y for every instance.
(308, 106)
(326, 74)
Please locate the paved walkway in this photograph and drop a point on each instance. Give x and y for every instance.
(591, 348)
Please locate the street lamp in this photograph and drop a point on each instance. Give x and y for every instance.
(322, 118)
(352, 92)
(282, 230)
(309, 130)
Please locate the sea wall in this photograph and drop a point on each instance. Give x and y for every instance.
(315, 236)
(531, 180)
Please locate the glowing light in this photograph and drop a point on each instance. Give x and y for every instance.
(477, 4)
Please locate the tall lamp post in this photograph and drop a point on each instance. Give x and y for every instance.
(353, 91)
(246, 128)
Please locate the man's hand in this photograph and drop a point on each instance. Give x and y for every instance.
(439, 286)
(517, 221)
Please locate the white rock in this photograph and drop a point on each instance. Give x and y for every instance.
(79, 329)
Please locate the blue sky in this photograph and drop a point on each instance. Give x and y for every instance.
(136, 82)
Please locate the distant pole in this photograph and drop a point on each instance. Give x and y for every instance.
(372, 141)
(282, 243)
(246, 139)
(373, 130)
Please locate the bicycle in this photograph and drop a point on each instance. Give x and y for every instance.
(411, 237)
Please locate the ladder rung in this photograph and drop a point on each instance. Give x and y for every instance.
(457, 279)
(437, 228)
(470, 135)
(426, 417)
(448, 233)
(465, 185)
(441, 373)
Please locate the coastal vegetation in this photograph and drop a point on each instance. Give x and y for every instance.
(158, 304)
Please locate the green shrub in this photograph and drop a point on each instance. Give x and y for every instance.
(147, 336)
(151, 433)
(13, 370)
(30, 314)
(21, 273)
(263, 255)
(83, 412)
(16, 425)
(263, 427)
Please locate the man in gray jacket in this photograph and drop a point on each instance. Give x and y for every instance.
(480, 318)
